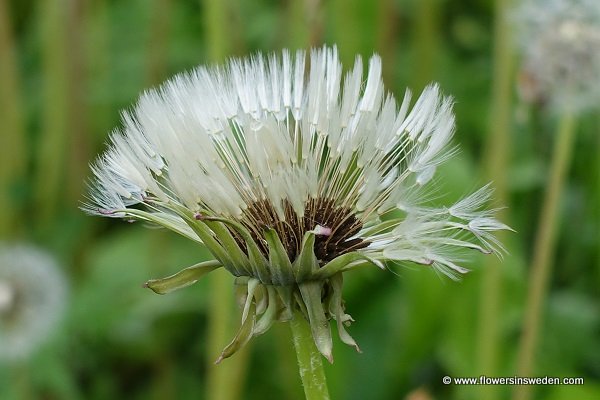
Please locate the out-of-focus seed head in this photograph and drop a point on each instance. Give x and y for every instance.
(560, 47)
(32, 299)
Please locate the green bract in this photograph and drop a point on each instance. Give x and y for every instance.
(270, 290)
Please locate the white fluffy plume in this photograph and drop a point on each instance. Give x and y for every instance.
(284, 130)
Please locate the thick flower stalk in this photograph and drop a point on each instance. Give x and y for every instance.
(291, 174)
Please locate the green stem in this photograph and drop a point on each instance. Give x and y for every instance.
(13, 157)
(304, 24)
(22, 380)
(54, 121)
(497, 156)
(345, 13)
(427, 22)
(310, 362)
(387, 34)
(217, 29)
(544, 244)
(160, 11)
(225, 381)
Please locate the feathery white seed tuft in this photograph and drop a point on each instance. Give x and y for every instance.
(227, 141)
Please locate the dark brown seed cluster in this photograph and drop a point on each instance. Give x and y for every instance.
(343, 224)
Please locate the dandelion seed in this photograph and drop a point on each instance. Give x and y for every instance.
(289, 180)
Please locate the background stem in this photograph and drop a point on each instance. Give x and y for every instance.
(225, 381)
(13, 157)
(310, 362)
(427, 22)
(544, 244)
(497, 155)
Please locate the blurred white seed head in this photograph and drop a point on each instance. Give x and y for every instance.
(560, 45)
(32, 299)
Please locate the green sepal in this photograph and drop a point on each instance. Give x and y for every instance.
(160, 218)
(183, 278)
(240, 289)
(286, 296)
(300, 303)
(279, 262)
(243, 336)
(319, 325)
(240, 262)
(306, 263)
(336, 309)
(258, 262)
(252, 285)
(241, 280)
(269, 315)
(342, 263)
(210, 242)
(261, 298)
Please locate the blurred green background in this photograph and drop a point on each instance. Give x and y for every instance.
(68, 67)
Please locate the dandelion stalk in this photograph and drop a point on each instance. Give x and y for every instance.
(226, 381)
(310, 363)
(99, 67)
(77, 123)
(543, 247)
(158, 45)
(20, 377)
(345, 13)
(427, 40)
(497, 149)
(387, 38)
(54, 139)
(304, 23)
(561, 58)
(12, 139)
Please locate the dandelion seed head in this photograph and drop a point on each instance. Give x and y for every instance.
(292, 171)
(560, 45)
(32, 299)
